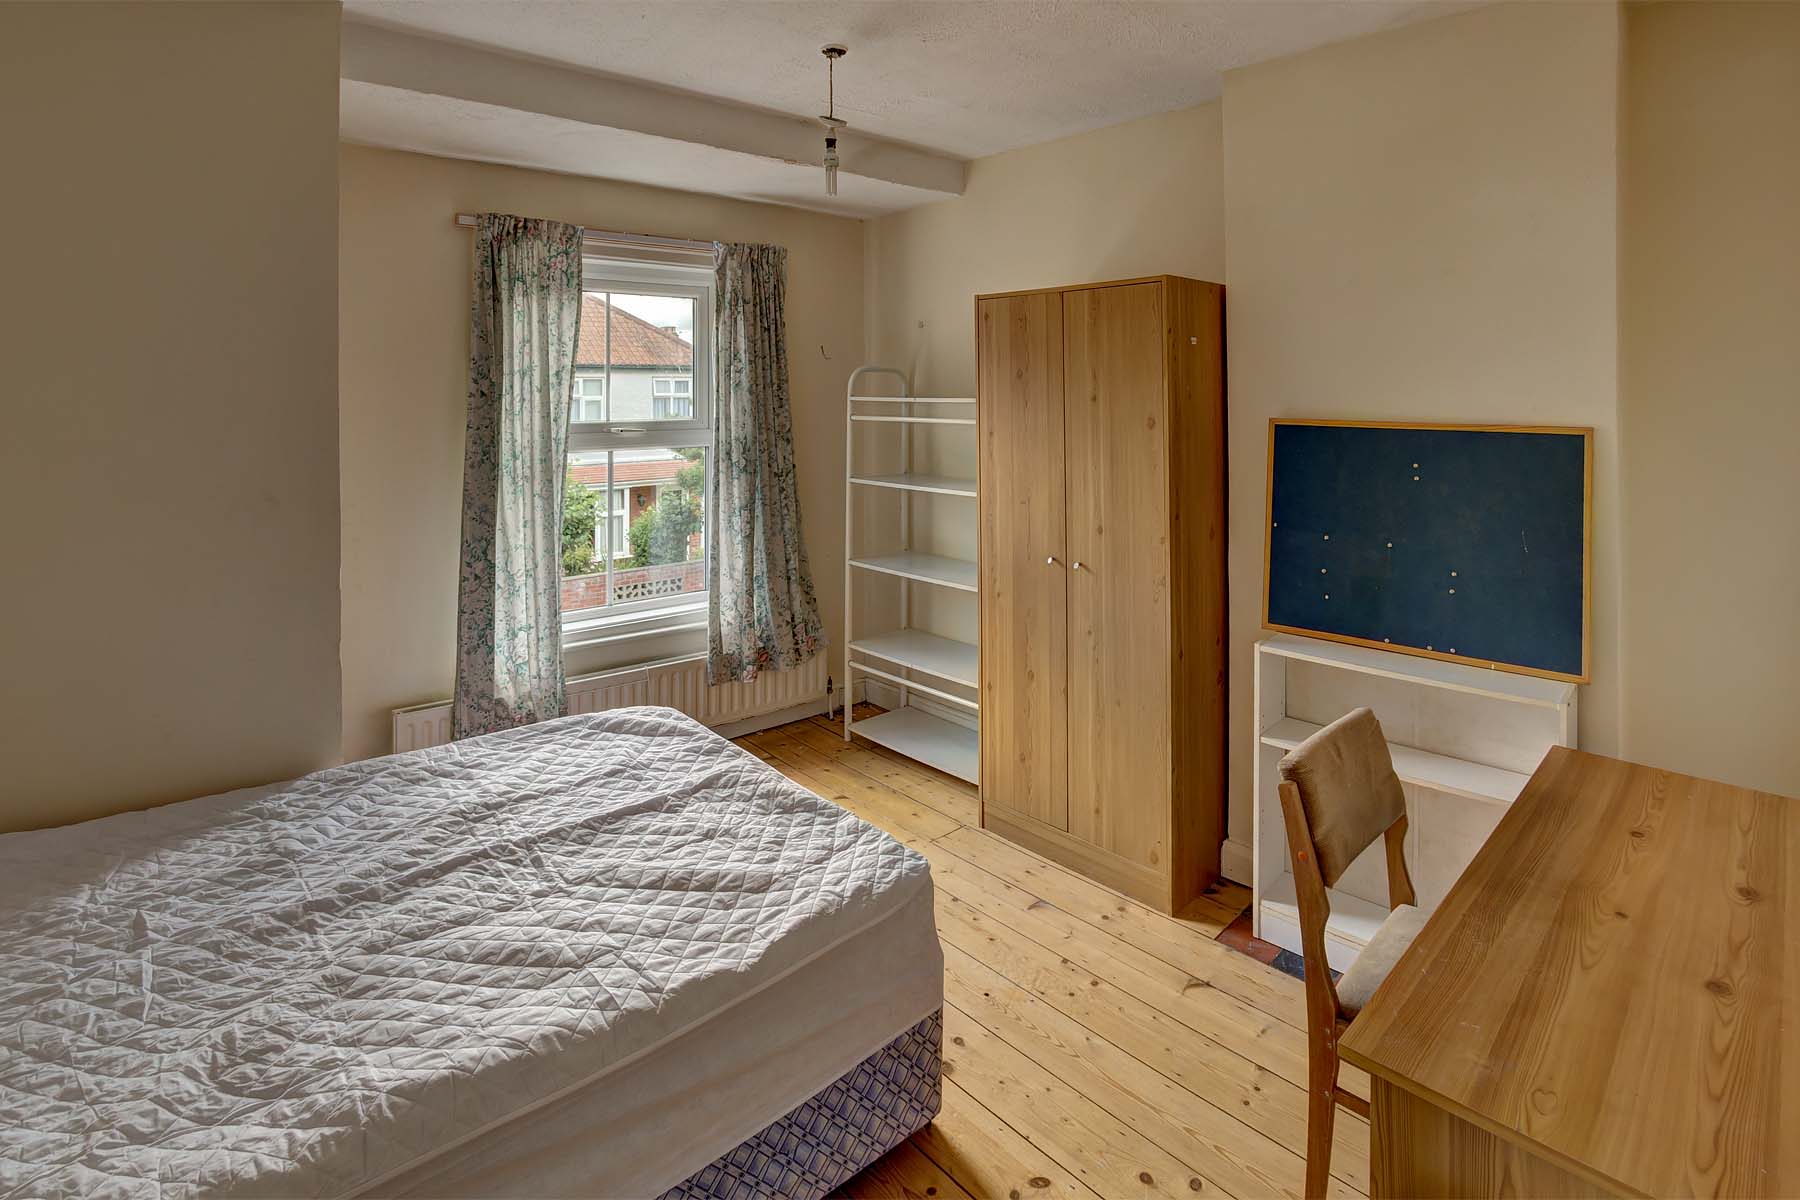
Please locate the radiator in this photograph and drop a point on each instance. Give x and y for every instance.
(679, 684)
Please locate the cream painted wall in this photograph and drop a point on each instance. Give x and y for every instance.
(1142, 198)
(1711, 390)
(169, 624)
(404, 348)
(1422, 224)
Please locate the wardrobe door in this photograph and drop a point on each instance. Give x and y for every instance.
(1118, 519)
(1023, 562)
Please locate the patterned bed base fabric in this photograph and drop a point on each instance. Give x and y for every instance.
(818, 1146)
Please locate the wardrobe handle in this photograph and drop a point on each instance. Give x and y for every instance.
(1050, 561)
(1074, 566)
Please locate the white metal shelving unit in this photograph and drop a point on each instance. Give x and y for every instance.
(1464, 741)
(911, 660)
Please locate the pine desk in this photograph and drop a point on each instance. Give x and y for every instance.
(1607, 1002)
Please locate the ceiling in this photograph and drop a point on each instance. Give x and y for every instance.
(957, 78)
(454, 127)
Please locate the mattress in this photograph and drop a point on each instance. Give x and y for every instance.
(642, 1129)
(322, 987)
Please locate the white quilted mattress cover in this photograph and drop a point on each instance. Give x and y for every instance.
(304, 989)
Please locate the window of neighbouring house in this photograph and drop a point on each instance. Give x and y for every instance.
(634, 512)
(672, 397)
(590, 398)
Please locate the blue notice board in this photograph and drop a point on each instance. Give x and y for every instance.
(1458, 542)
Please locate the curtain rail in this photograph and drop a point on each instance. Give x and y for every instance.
(467, 221)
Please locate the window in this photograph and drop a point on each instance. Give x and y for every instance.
(672, 397)
(634, 512)
(590, 398)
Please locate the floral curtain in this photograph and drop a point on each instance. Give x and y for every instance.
(762, 612)
(522, 332)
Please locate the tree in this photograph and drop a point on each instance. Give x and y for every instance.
(662, 533)
(581, 515)
(692, 477)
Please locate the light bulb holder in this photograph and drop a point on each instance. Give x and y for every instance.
(832, 122)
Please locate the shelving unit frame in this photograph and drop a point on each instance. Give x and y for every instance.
(899, 657)
(1464, 741)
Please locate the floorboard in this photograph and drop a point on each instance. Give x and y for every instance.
(1093, 1046)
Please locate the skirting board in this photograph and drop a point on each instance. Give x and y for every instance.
(1236, 862)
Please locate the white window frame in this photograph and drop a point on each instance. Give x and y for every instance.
(645, 618)
(671, 393)
(581, 379)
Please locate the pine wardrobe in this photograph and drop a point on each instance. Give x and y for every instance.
(1103, 622)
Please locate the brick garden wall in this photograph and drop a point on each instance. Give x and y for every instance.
(634, 583)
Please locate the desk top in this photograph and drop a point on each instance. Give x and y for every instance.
(1615, 983)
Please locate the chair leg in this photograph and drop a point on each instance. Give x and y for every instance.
(1321, 1110)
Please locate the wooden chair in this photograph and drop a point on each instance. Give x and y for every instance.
(1338, 794)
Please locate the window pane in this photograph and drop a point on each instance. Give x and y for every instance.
(665, 530)
(584, 532)
(589, 400)
(652, 356)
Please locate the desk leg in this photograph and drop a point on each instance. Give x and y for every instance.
(1418, 1151)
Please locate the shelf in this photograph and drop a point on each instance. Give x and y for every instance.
(943, 485)
(1430, 672)
(959, 662)
(913, 399)
(917, 420)
(1457, 776)
(925, 568)
(954, 749)
(1353, 920)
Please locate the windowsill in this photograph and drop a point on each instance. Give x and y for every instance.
(581, 630)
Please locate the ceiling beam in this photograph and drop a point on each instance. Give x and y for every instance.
(388, 58)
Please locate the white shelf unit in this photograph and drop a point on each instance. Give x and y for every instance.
(1464, 742)
(925, 568)
(928, 671)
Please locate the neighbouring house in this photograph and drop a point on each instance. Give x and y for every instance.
(652, 367)
(639, 476)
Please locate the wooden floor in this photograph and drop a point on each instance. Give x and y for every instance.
(1092, 1046)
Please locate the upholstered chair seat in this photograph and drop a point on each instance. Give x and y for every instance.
(1377, 960)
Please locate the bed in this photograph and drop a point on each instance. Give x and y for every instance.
(610, 955)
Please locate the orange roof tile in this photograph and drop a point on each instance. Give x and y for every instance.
(635, 341)
(663, 471)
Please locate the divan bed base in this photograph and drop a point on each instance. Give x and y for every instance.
(826, 1140)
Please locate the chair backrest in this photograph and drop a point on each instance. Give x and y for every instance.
(1347, 788)
(1340, 780)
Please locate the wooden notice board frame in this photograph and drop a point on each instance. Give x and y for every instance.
(1584, 432)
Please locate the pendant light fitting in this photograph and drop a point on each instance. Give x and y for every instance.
(829, 118)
